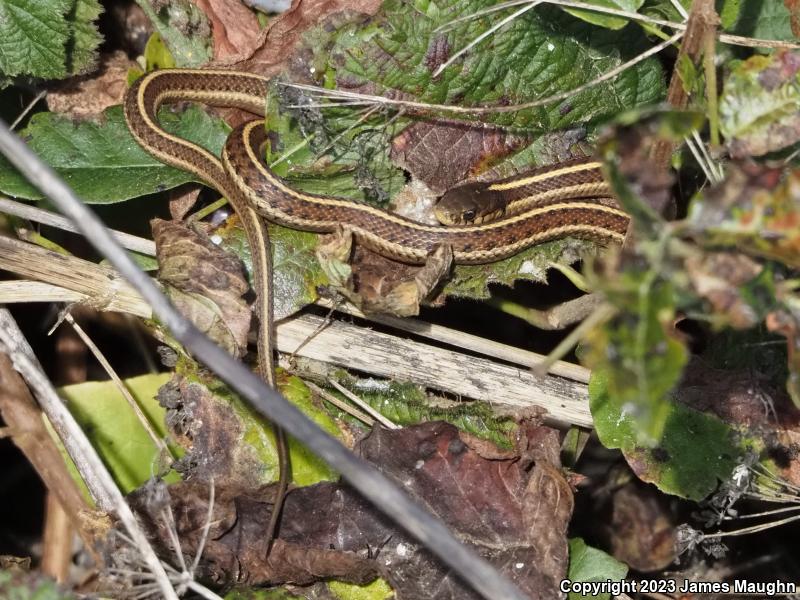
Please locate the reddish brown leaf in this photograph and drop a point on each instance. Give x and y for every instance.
(234, 27)
(276, 43)
(443, 154)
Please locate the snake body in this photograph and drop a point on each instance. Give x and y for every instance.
(548, 204)
(141, 104)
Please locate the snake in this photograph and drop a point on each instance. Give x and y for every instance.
(531, 208)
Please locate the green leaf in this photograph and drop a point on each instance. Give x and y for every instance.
(590, 564)
(157, 55)
(185, 31)
(473, 281)
(50, 39)
(695, 452)
(33, 38)
(101, 161)
(361, 171)
(86, 38)
(408, 404)
(764, 20)
(296, 273)
(307, 467)
(637, 349)
(541, 53)
(729, 12)
(604, 20)
(665, 9)
(115, 431)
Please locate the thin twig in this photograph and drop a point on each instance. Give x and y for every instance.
(45, 217)
(501, 23)
(206, 527)
(121, 387)
(364, 406)
(340, 404)
(601, 313)
(28, 109)
(737, 40)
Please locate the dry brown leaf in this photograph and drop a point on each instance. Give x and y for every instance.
(443, 154)
(205, 283)
(234, 28)
(641, 530)
(512, 508)
(277, 41)
(91, 94)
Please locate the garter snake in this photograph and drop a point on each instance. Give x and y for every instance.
(553, 211)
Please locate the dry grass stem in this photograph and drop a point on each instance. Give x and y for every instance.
(46, 217)
(164, 451)
(363, 405)
(340, 404)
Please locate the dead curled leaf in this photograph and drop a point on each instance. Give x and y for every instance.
(512, 508)
(205, 283)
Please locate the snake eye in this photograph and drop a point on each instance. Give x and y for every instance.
(469, 215)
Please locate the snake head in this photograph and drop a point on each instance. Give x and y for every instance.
(470, 204)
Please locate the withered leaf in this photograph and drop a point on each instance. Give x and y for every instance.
(512, 509)
(234, 27)
(758, 106)
(224, 441)
(442, 154)
(754, 212)
(278, 40)
(87, 96)
(205, 283)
